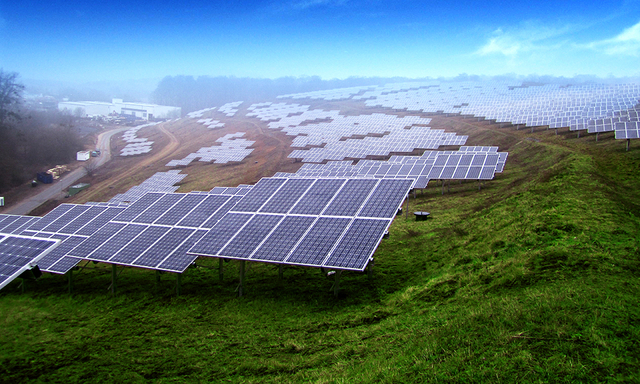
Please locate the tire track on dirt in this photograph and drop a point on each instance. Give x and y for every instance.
(122, 177)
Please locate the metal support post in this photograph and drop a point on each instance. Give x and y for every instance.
(628, 142)
(336, 283)
(597, 134)
(578, 134)
(443, 187)
(178, 281)
(71, 281)
(479, 184)
(114, 277)
(407, 209)
(220, 269)
(280, 271)
(370, 269)
(241, 285)
(157, 276)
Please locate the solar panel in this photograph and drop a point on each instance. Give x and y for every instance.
(348, 201)
(251, 235)
(50, 217)
(317, 243)
(356, 247)
(317, 197)
(282, 240)
(220, 234)
(56, 261)
(19, 254)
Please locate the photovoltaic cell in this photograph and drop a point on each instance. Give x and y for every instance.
(317, 197)
(158, 208)
(116, 242)
(51, 217)
(251, 235)
(157, 253)
(259, 194)
(317, 243)
(18, 254)
(220, 234)
(83, 219)
(358, 244)
(96, 240)
(287, 196)
(179, 260)
(65, 218)
(99, 221)
(283, 238)
(51, 262)
(141, 243)
(204, 211)
(383, 202)
(348, 201)
(180, 210)
(132, 211)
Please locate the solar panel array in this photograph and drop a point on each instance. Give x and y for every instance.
(210, 123)
(333, 223)
(15, 224)
(19, 254)
(231, 148)
(137, 145)
(470, 163)
(329, 95)
(627, 130)
(159, 182)
(230, 109)
(340, 137)
(196, 114)
(591, 107)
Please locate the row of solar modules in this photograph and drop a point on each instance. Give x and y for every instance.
(432, 165)
(19, 254)
(158, 229)
(332, 223)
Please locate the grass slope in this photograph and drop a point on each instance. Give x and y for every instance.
(533, 278)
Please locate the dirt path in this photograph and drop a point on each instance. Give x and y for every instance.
(124, 176)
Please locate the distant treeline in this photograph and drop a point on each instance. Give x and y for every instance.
(195, 93)
(35, 142)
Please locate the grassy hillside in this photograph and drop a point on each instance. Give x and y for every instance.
(533, 278)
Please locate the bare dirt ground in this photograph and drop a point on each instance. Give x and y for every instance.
(176, 139)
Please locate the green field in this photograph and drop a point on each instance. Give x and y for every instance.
(533, 278)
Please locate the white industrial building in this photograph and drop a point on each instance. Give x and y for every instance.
(118, 106)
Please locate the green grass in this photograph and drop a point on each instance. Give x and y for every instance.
(534, 278)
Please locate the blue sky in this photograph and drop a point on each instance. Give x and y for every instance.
(103, 41)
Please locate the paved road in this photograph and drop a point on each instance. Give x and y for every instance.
(50, 191)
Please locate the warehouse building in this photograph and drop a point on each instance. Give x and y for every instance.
(118, 106)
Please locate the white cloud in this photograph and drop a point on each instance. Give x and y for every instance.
(626, 43)
(528, 37)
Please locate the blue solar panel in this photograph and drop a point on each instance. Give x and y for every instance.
(357, 245)
(18, 254)
(259, 194)
(383, 202)
(158, 208)
(180, 210)
(99, 221)
(56, 261)
(65, 218)
(170, 242)
(348, 201)
(287, 196)
(96, 240)
(82, 220)
(179, 260)
(118, 241)
(204, 211)
(219, 214)
(246, 240)
(132, 211)
(317, 243)
(283, 238)
(317, 197)
(51, 217)
(129, 253)
(220, 234)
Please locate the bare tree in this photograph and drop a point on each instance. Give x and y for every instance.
(90, 166)
(10, 95)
